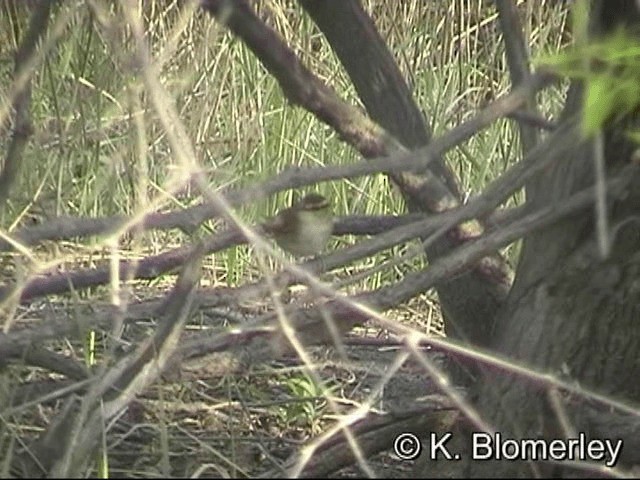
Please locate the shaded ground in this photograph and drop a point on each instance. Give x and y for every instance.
(235, 425)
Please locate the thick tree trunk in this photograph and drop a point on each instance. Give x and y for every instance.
(571, 313)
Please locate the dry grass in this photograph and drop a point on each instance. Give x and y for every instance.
(101, 147)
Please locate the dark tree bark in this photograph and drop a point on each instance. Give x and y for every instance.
(571, 313)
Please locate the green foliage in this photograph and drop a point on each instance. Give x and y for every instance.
(308, 405)
(610, 69)
(90, 349)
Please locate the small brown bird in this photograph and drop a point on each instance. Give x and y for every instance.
(304, 228)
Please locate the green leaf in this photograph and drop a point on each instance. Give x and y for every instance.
(599, 104)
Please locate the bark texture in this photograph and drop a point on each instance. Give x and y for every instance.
(572, 312)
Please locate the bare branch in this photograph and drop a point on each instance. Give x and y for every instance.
(21, 97)
(518, 61)
(189, 219)
(68, 443)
